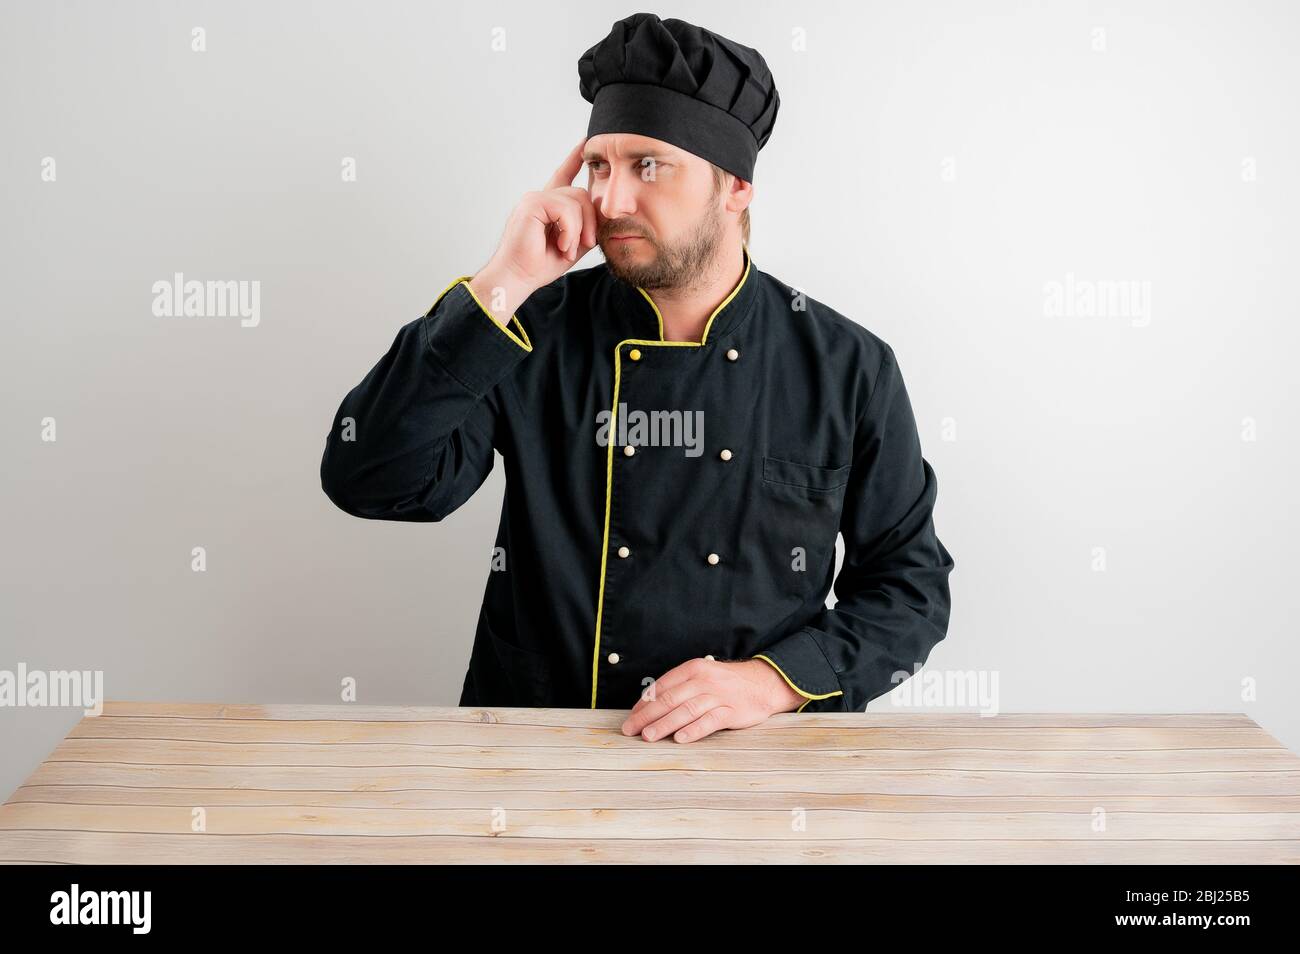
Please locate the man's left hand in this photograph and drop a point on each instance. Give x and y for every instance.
(701, 696)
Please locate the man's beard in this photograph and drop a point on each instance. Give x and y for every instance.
(680, 265)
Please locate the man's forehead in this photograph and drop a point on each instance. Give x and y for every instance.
(629, 145)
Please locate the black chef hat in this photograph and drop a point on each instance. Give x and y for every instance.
(682, 84)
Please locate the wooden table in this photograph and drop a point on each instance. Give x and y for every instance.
(352, 783)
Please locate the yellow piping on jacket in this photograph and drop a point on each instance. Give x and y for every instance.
(808, 696)
(526, 343)
(613, 429)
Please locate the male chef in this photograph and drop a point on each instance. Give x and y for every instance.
(684, 581)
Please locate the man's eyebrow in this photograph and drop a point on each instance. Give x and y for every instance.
(589, 155)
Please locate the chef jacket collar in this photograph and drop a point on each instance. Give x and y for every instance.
(726, 321)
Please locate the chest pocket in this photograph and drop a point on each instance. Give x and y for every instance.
(802, 508)
(778, 472)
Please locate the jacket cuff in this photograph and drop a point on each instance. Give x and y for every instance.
(468, 342)
(803, 665)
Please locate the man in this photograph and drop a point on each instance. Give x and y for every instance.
(684, 578)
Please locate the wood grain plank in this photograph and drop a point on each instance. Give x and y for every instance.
(611, 718)
(114, 848)
(777, 822)
(73, 794)
(637, 755)
(912, 736)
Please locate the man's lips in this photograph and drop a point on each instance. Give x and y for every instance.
(623, 238)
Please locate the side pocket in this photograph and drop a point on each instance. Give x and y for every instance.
(527, 672)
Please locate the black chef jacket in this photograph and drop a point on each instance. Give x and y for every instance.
(622, 556)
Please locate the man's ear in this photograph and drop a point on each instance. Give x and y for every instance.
(739, 194)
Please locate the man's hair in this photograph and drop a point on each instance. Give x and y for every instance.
(719, 177)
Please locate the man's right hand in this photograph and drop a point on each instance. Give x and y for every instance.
(545, 236)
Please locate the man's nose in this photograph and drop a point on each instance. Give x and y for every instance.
(619, 199)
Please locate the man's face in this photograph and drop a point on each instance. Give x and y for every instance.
(665, 198)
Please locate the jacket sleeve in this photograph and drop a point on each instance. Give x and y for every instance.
(414, 439)
(892, 596)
